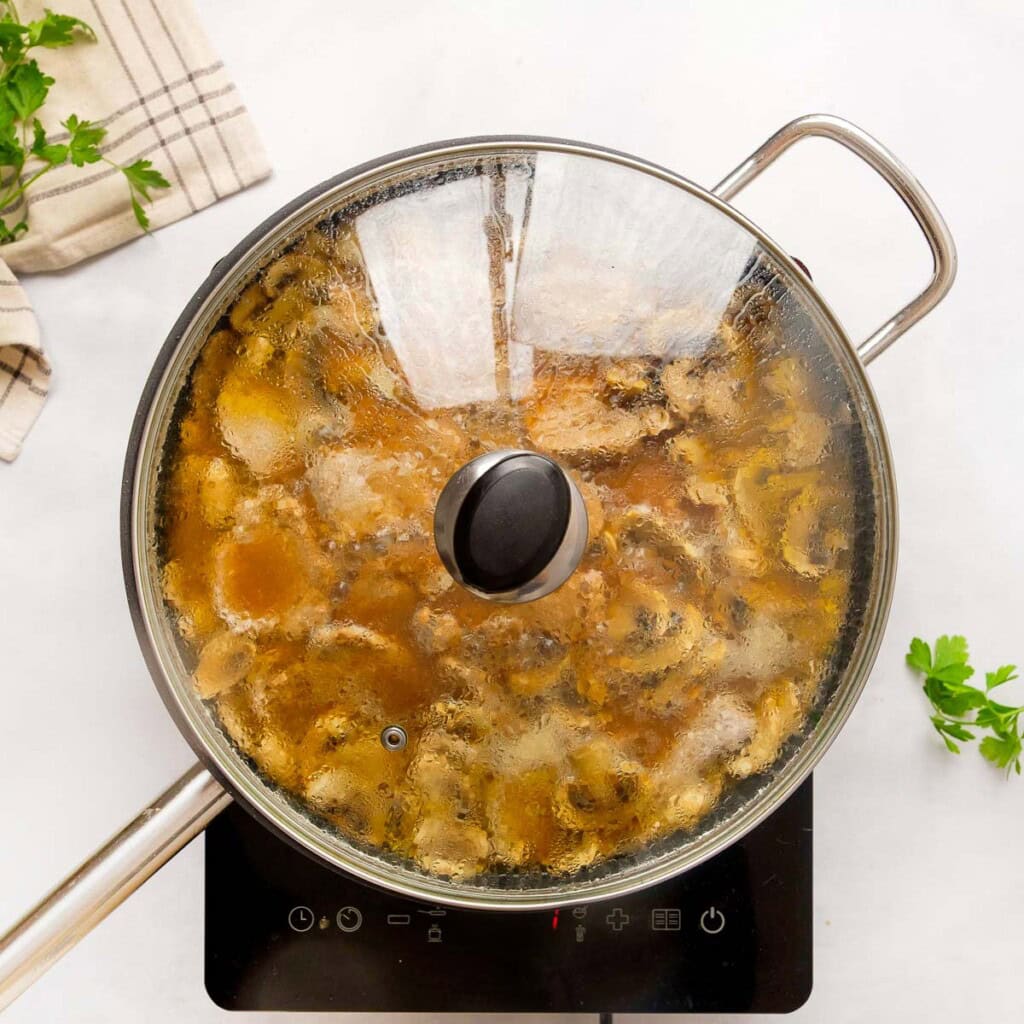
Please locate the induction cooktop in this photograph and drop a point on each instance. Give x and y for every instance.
(731, 935)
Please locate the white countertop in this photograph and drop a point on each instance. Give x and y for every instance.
(918, 892)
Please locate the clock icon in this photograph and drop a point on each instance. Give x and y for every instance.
(350, 919)
(300, 919)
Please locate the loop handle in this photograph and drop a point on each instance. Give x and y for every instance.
(906, 186)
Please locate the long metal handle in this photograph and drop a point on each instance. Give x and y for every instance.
(106, 879)
(907, 187)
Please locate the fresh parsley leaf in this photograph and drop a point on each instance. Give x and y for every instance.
(11, 234)
(26, 88)
(955, 702)
(920, 656)
(1000, 717)
(1003, 674)
(53, 153)
(13, 40)
(84, 142)
(1001, 750)
(950, 664)
(955, 729)
(950, 650)
(54, 30)
(11, 153)
(142, 176)
(140, 214)
(954, 699)
(952, 673)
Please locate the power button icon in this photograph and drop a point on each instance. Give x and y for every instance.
(712, 921)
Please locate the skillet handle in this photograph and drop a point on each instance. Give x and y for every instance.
(106, 879)
(907, 187)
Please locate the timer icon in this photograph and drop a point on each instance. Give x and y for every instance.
(350, 919)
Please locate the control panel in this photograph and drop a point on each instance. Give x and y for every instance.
(731, 935)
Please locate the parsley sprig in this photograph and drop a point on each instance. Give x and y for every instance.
(26, 153)
(960, 708)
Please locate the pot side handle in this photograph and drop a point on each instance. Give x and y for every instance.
(906, 186)
(106, 879)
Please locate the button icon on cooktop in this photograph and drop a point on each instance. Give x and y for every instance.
(350, 919)
(618, 919)
(666, 919)
(301, 919)
(712, 921)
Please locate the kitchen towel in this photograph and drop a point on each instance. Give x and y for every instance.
(153, 81)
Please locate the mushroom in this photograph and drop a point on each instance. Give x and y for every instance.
(721, 728)
(810, 543)
(788, 379)
(702, 491)
(759, 651)
(760, 491)
(572, 421)
(219, 492)
(805, 437)
(778, 713)
(333, 634)
(679, 382)
(691, 388)
(223, 662)
(340, 793)
(630, 380)
(435, 631)
(360, 492)
(602, 788)
(648, 525)
(449, 847)
(293, 266)
(529, 682)
(250, 303)
(669, 650)
(348, 373)
(686, 801)
(258, 422)
(348, 315)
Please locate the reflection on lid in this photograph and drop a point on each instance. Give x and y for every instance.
(426, 255)
(599, 261)
(616, 263)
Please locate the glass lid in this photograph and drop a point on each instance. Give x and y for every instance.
(514, 519)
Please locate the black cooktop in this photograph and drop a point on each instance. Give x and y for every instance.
(732, 935)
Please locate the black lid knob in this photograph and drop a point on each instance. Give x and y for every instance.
(510, 526)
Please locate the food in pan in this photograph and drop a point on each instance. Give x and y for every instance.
(298, 560)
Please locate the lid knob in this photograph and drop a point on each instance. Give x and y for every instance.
(510, 526)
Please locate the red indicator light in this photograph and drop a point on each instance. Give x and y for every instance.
(554, 921)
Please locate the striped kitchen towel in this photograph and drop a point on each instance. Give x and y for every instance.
(152, 80)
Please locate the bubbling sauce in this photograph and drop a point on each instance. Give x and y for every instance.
(298, 562)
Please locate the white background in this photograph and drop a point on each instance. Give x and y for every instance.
(918, 868)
